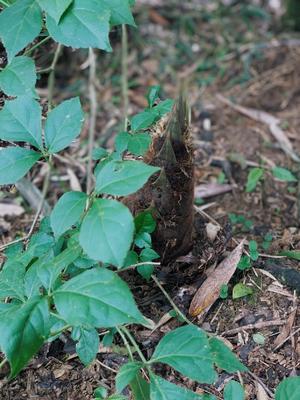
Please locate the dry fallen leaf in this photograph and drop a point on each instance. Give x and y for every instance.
(260, 392)
(212, 189)
(209, 292)
(11, 210)
(74, 182)
(286, 329)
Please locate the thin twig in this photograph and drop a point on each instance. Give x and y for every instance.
(125, 75)
(93, 116)
(51, 79)
(27, 52)
(133, 266)
(171, 301)
(257, 325)
(106, 366)
(255, 377)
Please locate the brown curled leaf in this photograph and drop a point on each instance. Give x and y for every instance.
(209, 292)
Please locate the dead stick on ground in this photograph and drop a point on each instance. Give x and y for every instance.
(258, 325)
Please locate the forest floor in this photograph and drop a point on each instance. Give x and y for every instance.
(235, 57)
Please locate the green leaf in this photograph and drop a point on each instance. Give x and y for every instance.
(224, 358)
(97, 297)
(49, 271)
(15, 162)
(148, 255)
(126, 374)
(294, 254)
(244, 263)
(99, 153)
(63, 125)
(139, 143)
(32, 282)
(11, 281)
(19, 77)
(234, 391)
(67, 211)
(121, 142)
(241, 290)
(187, 350)
(23, 332)
(259, 338)
(106, 232)
(39, 245)
(20, 121)
(224, 291)
(143, 120)
(144, 222)
(288, 389)
(120, 12)
(85, 24)
(54, 8)
(140, 388)
(145, 271)
(131, 259)
(100, 393)
(19, 25)
(7, 308)
(254, 177)
(142, 240)
(283, 174)
(253, 250)
(160, 389)
(87, 346)
(123, 178)
(163, 107)
(152, 95)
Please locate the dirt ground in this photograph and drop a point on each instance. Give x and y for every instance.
(251, 62)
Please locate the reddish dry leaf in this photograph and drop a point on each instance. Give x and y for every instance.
(209, 292)
(158, 18)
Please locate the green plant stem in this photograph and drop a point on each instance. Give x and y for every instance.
(171, 301)
(59, 331)
(4, 3)
(51, 79)
(134, 343)
(133, 266)
(44, 194)
(125, 75)
(93, 117)
(27, 52)
(126, 343)
(3, 362)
